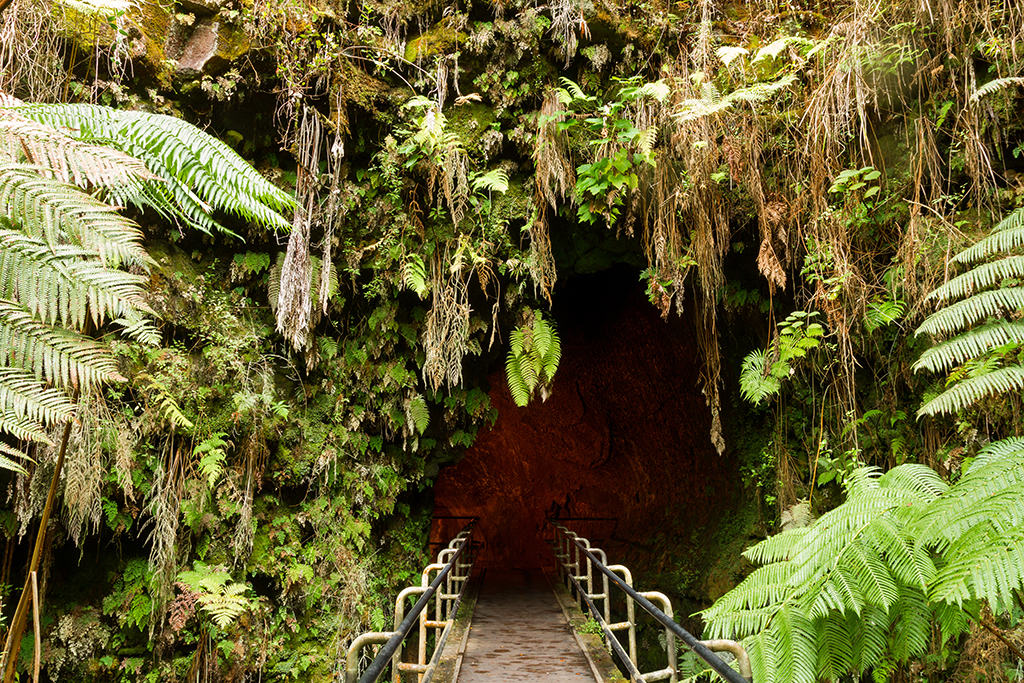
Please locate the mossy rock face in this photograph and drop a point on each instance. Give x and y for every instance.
(206, 47)
(143, 27)
(441, 39)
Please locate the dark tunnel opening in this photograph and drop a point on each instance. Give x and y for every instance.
(623, 437)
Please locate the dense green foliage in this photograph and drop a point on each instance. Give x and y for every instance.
(794, 177)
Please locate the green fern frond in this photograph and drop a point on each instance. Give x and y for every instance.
(135, 326)
(533, 357)
(67, 159)
(739, 610)
(419, 414)
(1006, 236)
(973, 389)
(25, 398)
(958, 350)
(65, 284)
(646, 140)
(212, 456)
(756, 384)
(22, 428)
(221, 598)
(9, 457)
(981, 277)
(168, 405)
(52, 353)
(495, 180)
(963, 314)
(995, 86)
(184, 156)
(414, 275)
(777, 548)
(983, 564)
(575, 91)
(516, 384)
(985, 493)
(58, 213)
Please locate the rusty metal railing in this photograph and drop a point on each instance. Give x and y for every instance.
(453, 566)
(577, 562)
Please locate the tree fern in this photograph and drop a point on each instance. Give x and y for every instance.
(841, 593)
(52, 353)
(904, 552)
(65, 284)
(21, 397)
(981, 277)
(58, 213)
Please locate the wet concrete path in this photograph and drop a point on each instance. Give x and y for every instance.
(520, 634)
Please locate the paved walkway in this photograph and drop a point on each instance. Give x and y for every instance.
(520, 634)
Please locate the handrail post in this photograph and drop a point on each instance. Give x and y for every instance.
(670, 637)
(627, 577)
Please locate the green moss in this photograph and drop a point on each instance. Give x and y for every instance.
(440, 39)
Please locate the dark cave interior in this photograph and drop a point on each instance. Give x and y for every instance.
(624, 437)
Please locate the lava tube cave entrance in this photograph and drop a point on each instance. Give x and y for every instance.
(624, 437)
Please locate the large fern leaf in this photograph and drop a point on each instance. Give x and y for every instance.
(969, 391)
(65, 284)
(949, 354)
(981, 277)
(52, 353)
(67, 159)
(963, 314)
(58, 213)
(1008, 234)
(833, 598)
(23, 397)
(201, 172)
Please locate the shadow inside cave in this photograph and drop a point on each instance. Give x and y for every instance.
(623, 436)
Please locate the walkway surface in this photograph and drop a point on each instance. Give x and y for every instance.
(520, 634)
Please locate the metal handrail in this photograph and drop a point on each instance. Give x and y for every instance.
(453, 568)
(571, 551)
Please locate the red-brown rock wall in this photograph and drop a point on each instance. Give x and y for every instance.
(624, 435)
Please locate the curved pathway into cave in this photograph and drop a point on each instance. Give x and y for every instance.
(624, 436)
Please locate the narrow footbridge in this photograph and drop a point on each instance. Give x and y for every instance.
(518, 625)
